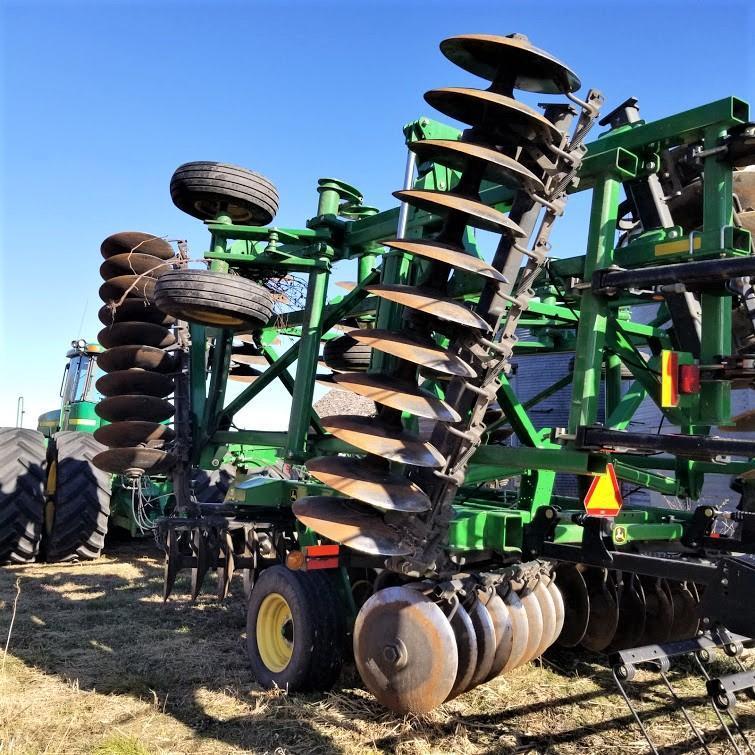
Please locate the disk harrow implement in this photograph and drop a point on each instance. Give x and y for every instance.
(436, 518)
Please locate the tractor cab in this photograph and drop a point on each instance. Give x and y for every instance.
(77, 391)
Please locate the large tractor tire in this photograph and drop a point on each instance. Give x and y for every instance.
(204, 190)
(346, 354)
(77, 518)
(216, 299)
(23, 471)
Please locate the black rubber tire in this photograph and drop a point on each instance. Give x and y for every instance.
(345, 354)
(210, 486)
(318, 630)
(23, 473)
(205, 189)
(77, 526)
(214, 299)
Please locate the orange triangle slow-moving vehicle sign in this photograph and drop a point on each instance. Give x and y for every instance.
(604, 496)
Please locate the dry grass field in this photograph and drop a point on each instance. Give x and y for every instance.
(97, 664)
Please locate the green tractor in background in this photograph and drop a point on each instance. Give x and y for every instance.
(55, 505)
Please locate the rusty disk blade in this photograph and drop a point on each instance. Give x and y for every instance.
(346, 285)
(604, 610)
(496, 167)
(135, 241)
(350, 523)
(631, 615)
(406, 397)
(134, 433)
(132, 286)
(248, 356)
(146, 408)
(134, 310)
(446, 254)
(430, 303)
(519, 627)
(476, 213)
(423, 352)
(135, 334)
(405, 650)
(747, 220)
(126, 460)
(243, 373)
(571, 584)
(512, 59)
(145, 357)
(505, 117)
(133, 264)
(134, 381)
(359, 479)
(486, 642)
(535, 627)
(741, 423)
(466, 650)
(659, 617)
(370, 435)
(548, 611)
(172, 562)
(686, 620)
(504, 634)
(744, 187)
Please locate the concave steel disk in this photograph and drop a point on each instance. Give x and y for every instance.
(512, 60)
(686, 621)
(144, 357)
(504, 634)
(124, 460)
(429, 302)
(558, 605)
(423, 352)
(359, 479)
(659, 612)
(466, 650)
(351, 523)
(495, 166)
(604, 610)
(406, 397)
(631, 615)
(136, 407)
(135, 334)
(243, 373)
(132, 286)
(448, 255)
(133, 433)
(370, 435)
(135, 380)
(571, 583)
(548, 611)
(508, 119)
(133, 264)
(535, 626)
(135, 241)
(519, 626)
(743, 184)
(741, 423)
(134, 310)
(476, 213)
(405, 650)
(486, 641)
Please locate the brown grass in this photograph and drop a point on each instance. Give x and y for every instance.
(97, 664)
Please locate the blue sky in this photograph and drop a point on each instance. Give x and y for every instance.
(101, 101)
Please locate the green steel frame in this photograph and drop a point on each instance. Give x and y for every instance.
(566, 316)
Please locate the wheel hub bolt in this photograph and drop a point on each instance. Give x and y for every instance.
(396, 654)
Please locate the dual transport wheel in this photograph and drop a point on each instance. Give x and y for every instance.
(53, 501)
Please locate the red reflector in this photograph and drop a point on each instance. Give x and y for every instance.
(318, 551)
(322, 563)
(689, 378)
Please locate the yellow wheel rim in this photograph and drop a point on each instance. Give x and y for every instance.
(275, 632)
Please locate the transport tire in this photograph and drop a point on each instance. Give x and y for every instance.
(23, 471)
(204, 190)
(295, 630)
(77, 519)
(215, 299)
(345, 354)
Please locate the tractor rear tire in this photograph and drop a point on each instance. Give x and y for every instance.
(346, 354)
(205, 190)
(80, 506)
(295, 630)
(215, 299)
(23, 471)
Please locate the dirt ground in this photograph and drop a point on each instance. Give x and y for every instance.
(97, 664)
